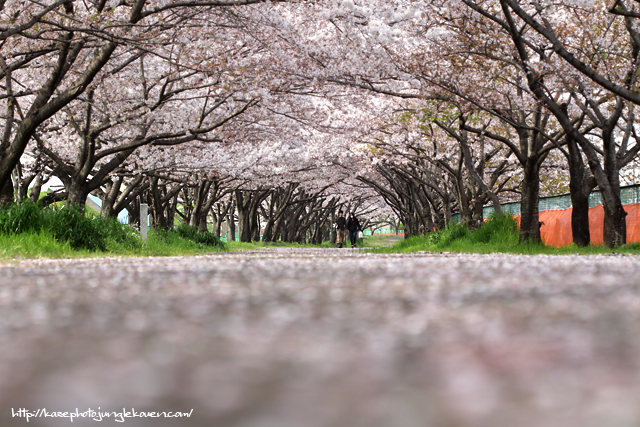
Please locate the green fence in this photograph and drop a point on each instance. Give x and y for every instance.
(629, 195)
(382, 231)
(225, 236)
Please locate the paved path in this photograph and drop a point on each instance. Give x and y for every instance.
(330, 339)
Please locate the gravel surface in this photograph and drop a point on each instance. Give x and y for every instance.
(326, 339)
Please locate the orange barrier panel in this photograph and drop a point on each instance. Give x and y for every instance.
(633, 222)
(556, 227)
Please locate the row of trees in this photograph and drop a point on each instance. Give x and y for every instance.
(291, 213)
(282, 112)
(506, 97)
(178, 104)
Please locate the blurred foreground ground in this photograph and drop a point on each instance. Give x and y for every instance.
(328, 339)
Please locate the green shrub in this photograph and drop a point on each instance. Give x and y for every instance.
(29, 230)
(66, 224)
(410, 242)
(631, 247)
(121, 235)
(497, 229)
(21, 217)
(193, 234)
(454, 231)
(69, 224)
(433, 238)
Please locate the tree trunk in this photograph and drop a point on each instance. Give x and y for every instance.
(21, 182)
(411, 226)
(219, 213)
(244, 226)
(109, 199)
(529, 215)
(202, 225)
(217, 224)
(255, 223)
(478, 213)
(133, 209)
(171, 209)
(36, 189)
(159, 220)
(580, 186)
(6, 193)
(248, 203)
(77, 195)
(200, 209)
(476, 176)
(268, 231)
(231, 223)
(615, 224)
(580, 217)
(270, 218)
(232, 228)
(244, 222)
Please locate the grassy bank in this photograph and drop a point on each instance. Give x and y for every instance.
(29, 231)
(498, 234)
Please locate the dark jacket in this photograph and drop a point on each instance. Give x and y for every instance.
(353, 224)
(342, 223)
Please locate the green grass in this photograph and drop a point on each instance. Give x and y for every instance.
(381, 241)
(44, 245)
(266, 245)
(173, 243)
(35, 245)
(368, 241)
(29, 231)
(497, 234)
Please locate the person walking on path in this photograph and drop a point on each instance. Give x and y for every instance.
(341, 227)
(353, 225)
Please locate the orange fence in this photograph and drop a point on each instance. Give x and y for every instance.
(556, 227)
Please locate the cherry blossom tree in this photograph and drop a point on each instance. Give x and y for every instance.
(543, 69)
(279, 113)
(53, 51)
